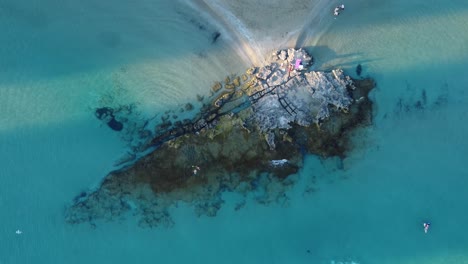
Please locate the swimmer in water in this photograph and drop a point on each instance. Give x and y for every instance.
(426, 226)
(335, 12)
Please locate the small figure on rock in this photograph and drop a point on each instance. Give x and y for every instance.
(195, 169)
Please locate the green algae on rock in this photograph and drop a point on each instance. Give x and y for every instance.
(253, 136)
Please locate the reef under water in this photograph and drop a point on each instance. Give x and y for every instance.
(253, 135)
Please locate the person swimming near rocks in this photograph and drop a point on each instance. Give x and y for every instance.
(336, 12)
(426, 226)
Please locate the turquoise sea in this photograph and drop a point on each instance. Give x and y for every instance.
(59, 60)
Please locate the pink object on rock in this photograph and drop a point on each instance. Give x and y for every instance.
(298, 63)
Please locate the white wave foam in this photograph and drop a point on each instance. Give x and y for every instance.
(343, 262)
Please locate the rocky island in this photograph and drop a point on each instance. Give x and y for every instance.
(252, 135)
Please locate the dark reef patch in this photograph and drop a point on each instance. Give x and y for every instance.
(104, 112)
(107, 115)
(115, 125)
(418, 101)
(215, 37)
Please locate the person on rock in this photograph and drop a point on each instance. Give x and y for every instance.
(196, 169)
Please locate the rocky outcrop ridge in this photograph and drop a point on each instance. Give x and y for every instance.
(252, 136)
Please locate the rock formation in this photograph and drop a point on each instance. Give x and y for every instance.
(251, 136)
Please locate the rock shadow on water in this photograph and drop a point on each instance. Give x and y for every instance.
(252, 138)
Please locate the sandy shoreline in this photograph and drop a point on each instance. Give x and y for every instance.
(257, 28)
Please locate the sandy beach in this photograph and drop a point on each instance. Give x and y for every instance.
(259, 27)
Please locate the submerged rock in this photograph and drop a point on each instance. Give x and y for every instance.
(216, 87)
(188, 107)
(215, 37)
(252, 137)
(106, 114)
(115, 125)
(358, 69)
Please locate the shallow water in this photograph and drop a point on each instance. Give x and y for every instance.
(61, 60)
